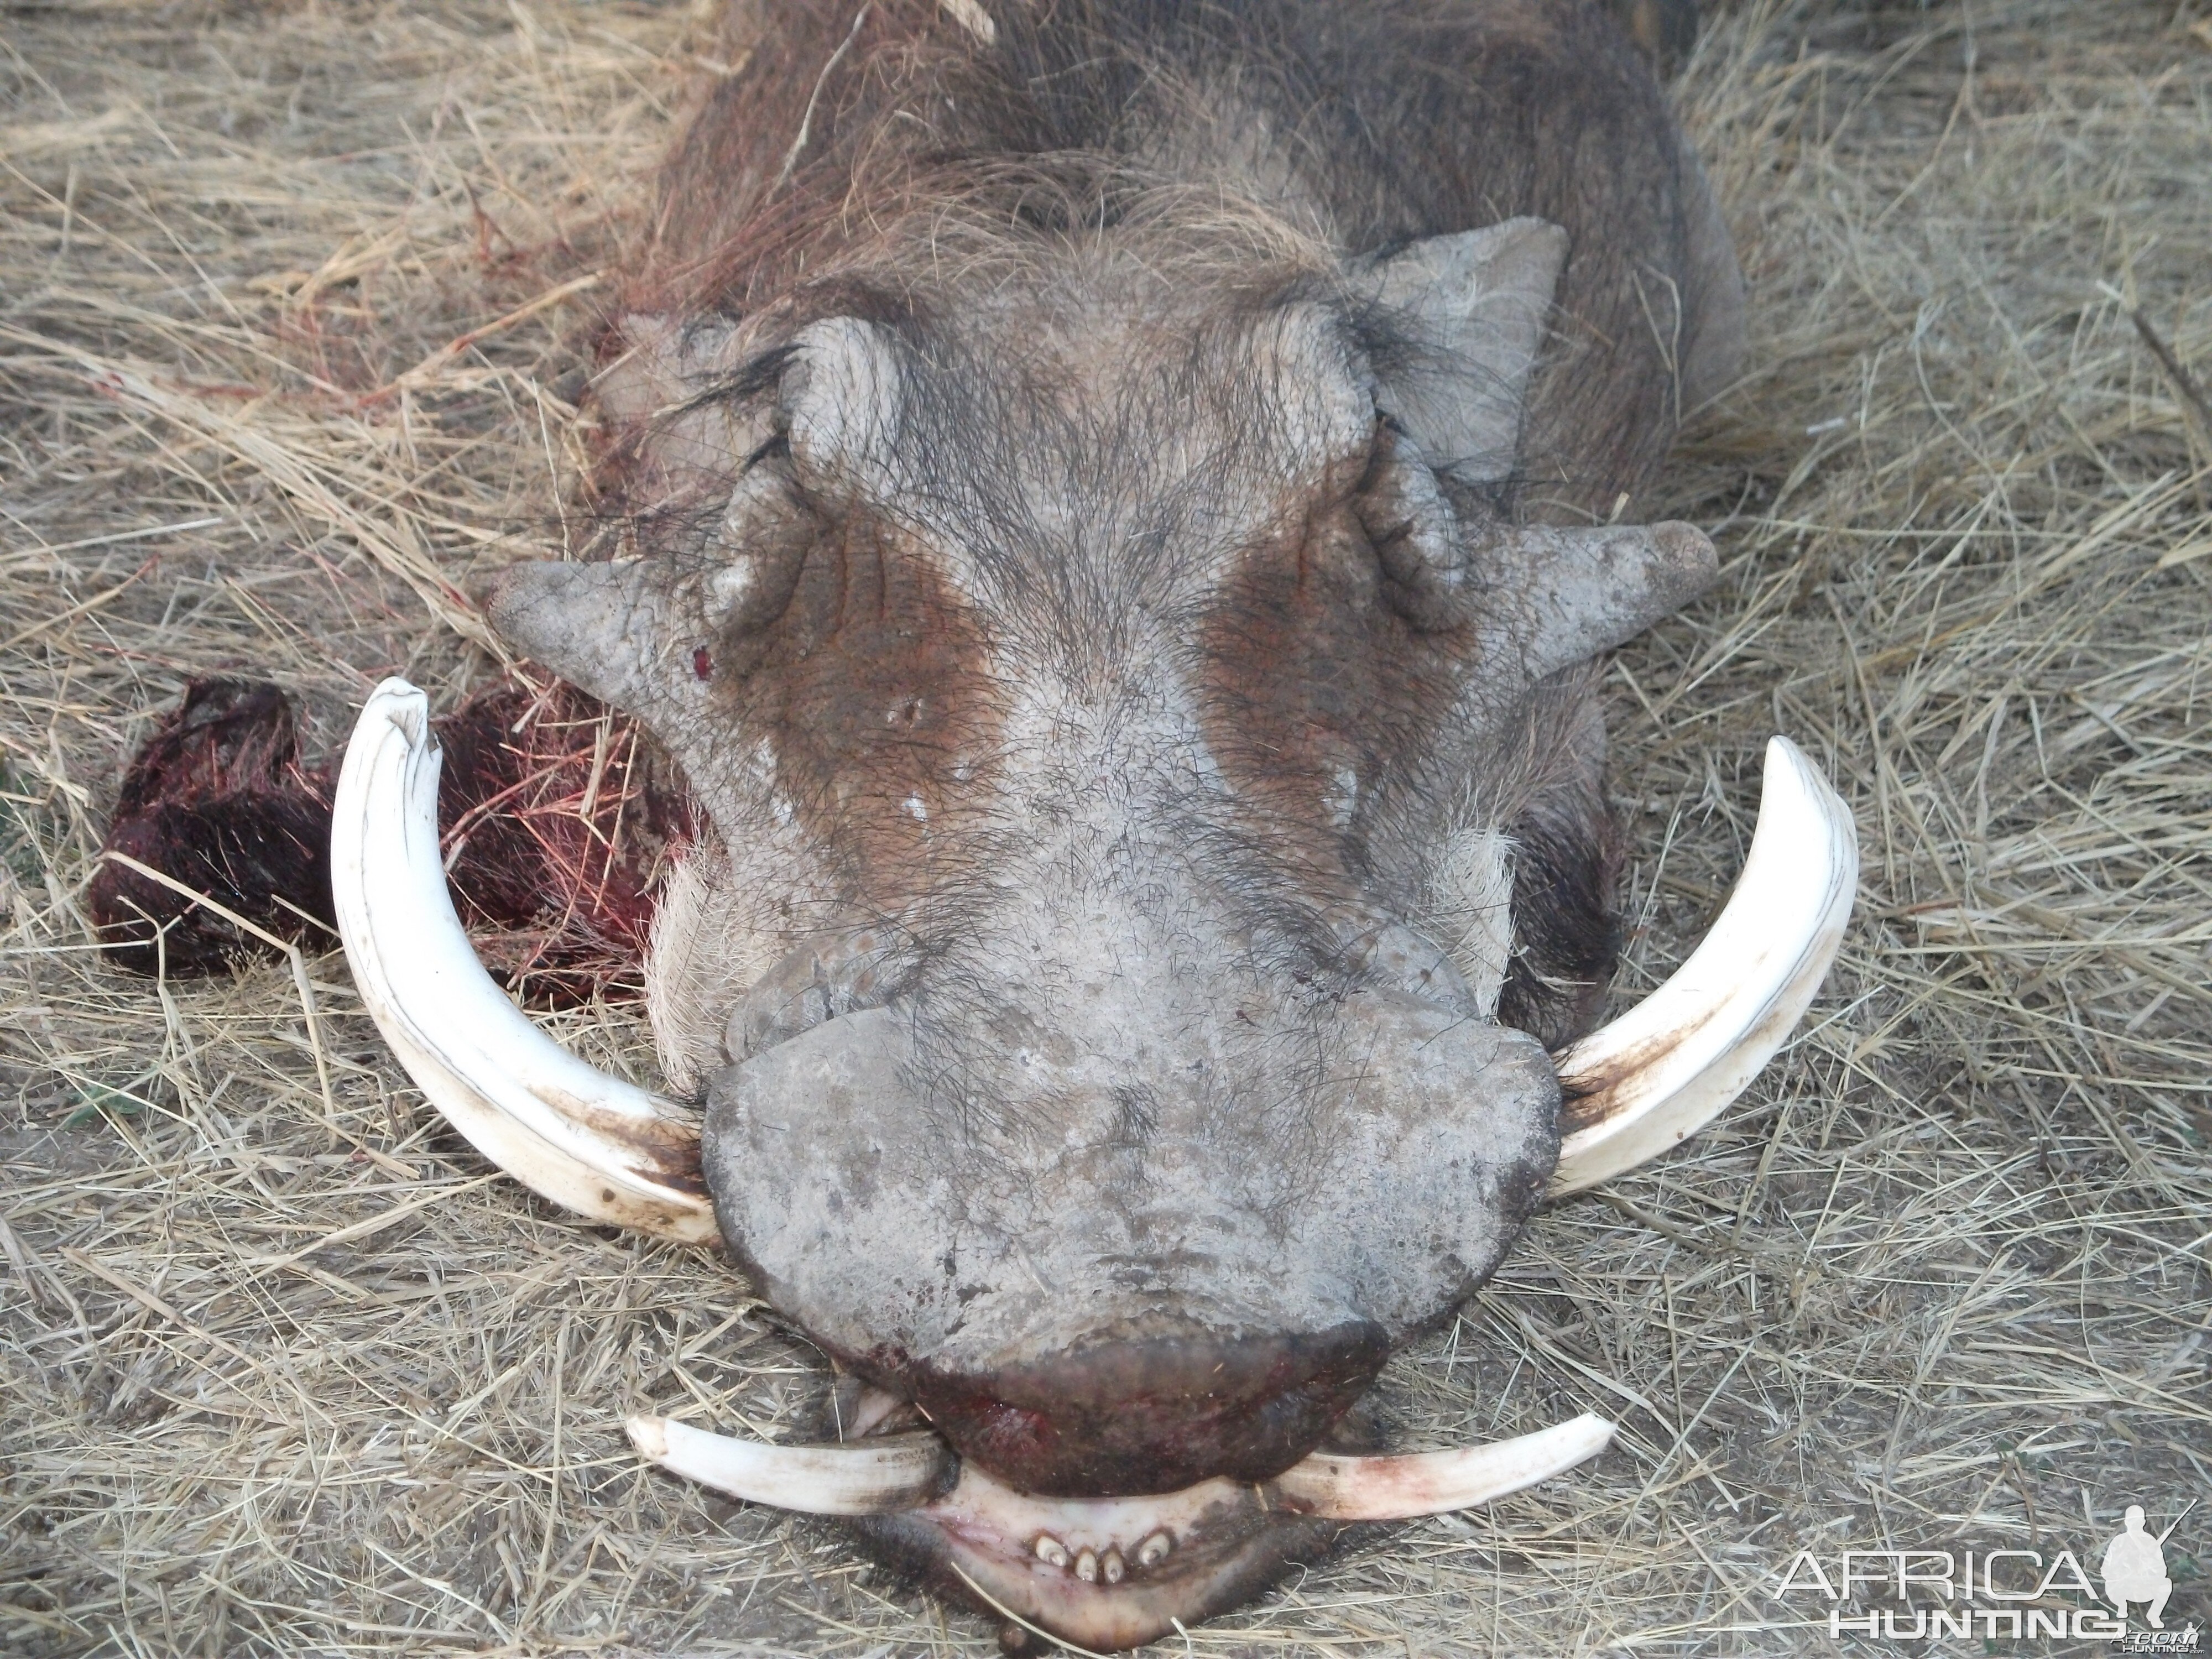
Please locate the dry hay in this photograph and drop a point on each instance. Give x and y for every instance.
(287, 1372)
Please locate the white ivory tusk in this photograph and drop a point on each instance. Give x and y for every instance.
(594, 1144)
(910, 1471)
(871, 1477)
(1661, 1070)
(1431, 1483)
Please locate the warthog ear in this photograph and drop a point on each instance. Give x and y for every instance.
(1473, 307)
(841, 398)
(648, 635)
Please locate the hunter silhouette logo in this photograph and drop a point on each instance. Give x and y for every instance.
(1986, 1594)
(2134, 1568)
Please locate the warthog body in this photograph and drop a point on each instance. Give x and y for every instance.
(1118, 502)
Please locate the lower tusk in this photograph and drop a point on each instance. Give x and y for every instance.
(594, 1144)
(1432, 1483)
(1661, 1070)
(900, 1471)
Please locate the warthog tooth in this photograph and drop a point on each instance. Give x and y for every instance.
(1112, 1568)
(1431, 1483)
(1154, 1550)
(1661, 1070)
(875, 1407)
(1086, 1567)
(592, 1143)
(898, 1472)
(1051, 1551)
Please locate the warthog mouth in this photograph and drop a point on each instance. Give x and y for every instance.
(1105, 1571)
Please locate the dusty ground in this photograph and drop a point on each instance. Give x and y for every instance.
(286, 1372)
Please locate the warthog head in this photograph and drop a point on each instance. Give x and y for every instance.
(1144, 757)
(1095, 689)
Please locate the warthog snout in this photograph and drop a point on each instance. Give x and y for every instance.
(1099, 1278)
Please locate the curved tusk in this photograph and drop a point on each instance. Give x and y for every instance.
(1431, 1483)
(594, 1144)
(1661, 1070)
(898, 1472)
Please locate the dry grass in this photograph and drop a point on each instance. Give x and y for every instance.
(285, 1372)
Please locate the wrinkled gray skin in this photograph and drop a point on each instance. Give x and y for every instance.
(1119, 610)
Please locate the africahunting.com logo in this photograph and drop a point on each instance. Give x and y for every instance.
(1986, 1595)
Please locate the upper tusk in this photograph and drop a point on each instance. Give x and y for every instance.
(595, 1143)
(877, 1477)
(1663, 1070)
(1431, 1483)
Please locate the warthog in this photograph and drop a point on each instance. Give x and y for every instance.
(1118, 502)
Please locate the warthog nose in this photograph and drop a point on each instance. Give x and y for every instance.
(1156, 1414)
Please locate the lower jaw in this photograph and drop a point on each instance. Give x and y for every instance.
(980, 1545)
